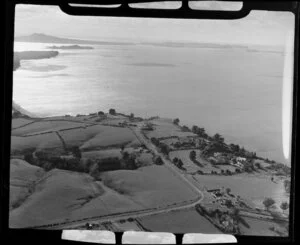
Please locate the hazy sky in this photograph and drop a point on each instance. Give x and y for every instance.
(259, 27)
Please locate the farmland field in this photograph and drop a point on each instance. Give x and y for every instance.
(249, 187)
(151, 186)
(258, 227)
(184, 221)
(22, 176)
(166, 128)
(58, 196)
(18, 122)
(43, 126)
(38, 142)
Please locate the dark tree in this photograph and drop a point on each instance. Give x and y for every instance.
(185, 129)
(195, 129)
(155, 141)
(100, 113)
(193, 155)
(159, 161)
(176, 121)
(228, 172)
(164, 148)
(112, 111)
(28, 158)
(284, 206)
(180, 163)
(125, 155)
(268, 202)
(76, 152)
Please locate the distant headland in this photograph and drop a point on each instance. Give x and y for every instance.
(69, 47)
(43, 38)
(32, 55)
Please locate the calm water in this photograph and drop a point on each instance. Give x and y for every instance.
(231, 91)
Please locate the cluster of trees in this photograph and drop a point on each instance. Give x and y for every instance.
(185, 128)
(280, 169)
(249, 166)
(184, 144)
(240, 151)
(218, 138)
(164, 148)
(226, 172)
(49, 161)
(178, 163)
(219, 218)
(199, 131)
(129, 161)
(213, 147)
(269, 202)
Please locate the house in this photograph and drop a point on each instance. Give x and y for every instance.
(237, 164)
(217, 154)
(240, 159)
(147, 126)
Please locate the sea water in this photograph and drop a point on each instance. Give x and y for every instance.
(234, 91)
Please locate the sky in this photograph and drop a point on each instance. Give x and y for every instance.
(259, 27)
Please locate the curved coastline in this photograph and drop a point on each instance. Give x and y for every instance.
(29, 55)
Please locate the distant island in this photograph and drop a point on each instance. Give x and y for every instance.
(69, 47)
(193, 45)
(32, 55)
(43, 38)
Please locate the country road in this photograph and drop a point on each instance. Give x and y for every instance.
(151, 211)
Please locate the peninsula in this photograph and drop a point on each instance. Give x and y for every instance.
(31, 55)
